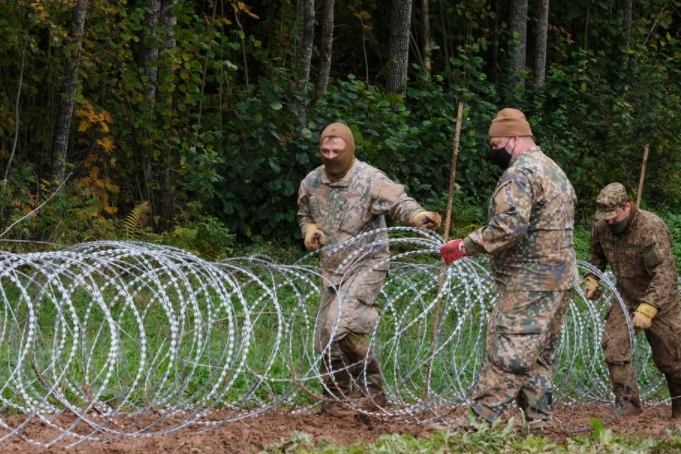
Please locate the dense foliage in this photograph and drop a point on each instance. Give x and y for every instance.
(213, 134)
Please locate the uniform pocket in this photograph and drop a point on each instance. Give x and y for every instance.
(651, 256)
(517, 348)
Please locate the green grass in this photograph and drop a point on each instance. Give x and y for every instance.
(505, 438)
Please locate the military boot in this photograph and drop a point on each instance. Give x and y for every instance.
(627, 400)
(372, 386)
(366, 372)
(337, 383)
(675, 395)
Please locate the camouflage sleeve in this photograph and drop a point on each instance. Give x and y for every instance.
(510, 210)
(390, 198)
(304, 214)
(596, 256)
(659, 262)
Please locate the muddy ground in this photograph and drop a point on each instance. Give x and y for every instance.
(253, 434)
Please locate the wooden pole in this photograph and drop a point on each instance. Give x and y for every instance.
(443, 267)
(643, 177)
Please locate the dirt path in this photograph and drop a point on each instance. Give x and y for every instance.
(251, 435)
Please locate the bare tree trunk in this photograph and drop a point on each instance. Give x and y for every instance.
(65, 115)
(541, 44)
(168, 160)
(304, 52)
(628, 7)
(400, 24)
(149, 53)
(147, 58)
(518, 42)
(425, 37)
(325, 48)
(17, 121)
(444, 26)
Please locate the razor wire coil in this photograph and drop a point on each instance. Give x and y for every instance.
(109, 339)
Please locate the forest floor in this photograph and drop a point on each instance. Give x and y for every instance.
(251, 435)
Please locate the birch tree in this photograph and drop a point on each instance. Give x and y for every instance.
(60, 144)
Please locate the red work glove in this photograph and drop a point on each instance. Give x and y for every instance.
(453, 250)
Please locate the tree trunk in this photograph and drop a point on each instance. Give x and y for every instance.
(147, 58)
(447, 36)
(541, 44)
(518, 42)
(425, 37)
(628, 8)
(325, 48)
(65, 114)
(149, 53)
(166, 196)
(400, 22)
(304, 52)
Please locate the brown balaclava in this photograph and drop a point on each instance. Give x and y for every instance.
(510, 123)
(337, 167)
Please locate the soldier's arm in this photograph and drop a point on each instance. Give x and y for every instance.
(512, 202)
(596, 256)
(304, 215)
(389, 198)
(659, 262)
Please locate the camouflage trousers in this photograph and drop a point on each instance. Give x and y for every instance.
(664, 337)
(346, 316)
(348, 308)
(520, 348)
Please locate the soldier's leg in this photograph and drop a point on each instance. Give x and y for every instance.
(336, 377)
(515, 339)
(334, 373)
(674, 384)
(366, 371)
(536, 394)
(616, 341)
(664, 337)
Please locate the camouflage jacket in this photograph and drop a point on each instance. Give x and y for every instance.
(641, 259)
(529, 234)
(353, 205)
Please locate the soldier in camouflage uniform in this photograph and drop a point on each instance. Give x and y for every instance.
(338, 201)
(529, 237)
(637, 246)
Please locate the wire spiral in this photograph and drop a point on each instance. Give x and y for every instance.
(111, 339)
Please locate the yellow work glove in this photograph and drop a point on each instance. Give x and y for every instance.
(314, 238)
(427, 219)
(592, 288)
(643, 317)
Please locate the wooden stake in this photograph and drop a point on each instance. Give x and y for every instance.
(643, 177)
(443, 267)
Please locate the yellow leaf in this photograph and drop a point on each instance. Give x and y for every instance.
(107, 143)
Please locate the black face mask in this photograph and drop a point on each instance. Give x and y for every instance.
(500, 157)
(619, 227)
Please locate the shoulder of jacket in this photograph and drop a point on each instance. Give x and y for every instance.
(315, 176)
(652, 221)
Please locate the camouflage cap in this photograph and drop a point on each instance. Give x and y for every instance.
(611, 201)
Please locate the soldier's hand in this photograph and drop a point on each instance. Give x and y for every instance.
(592, 288)
(427, 219)
(314, 238)
(643, 317)
(453, 250)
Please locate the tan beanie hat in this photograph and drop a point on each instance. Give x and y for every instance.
(510, 123)
(338, 166)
